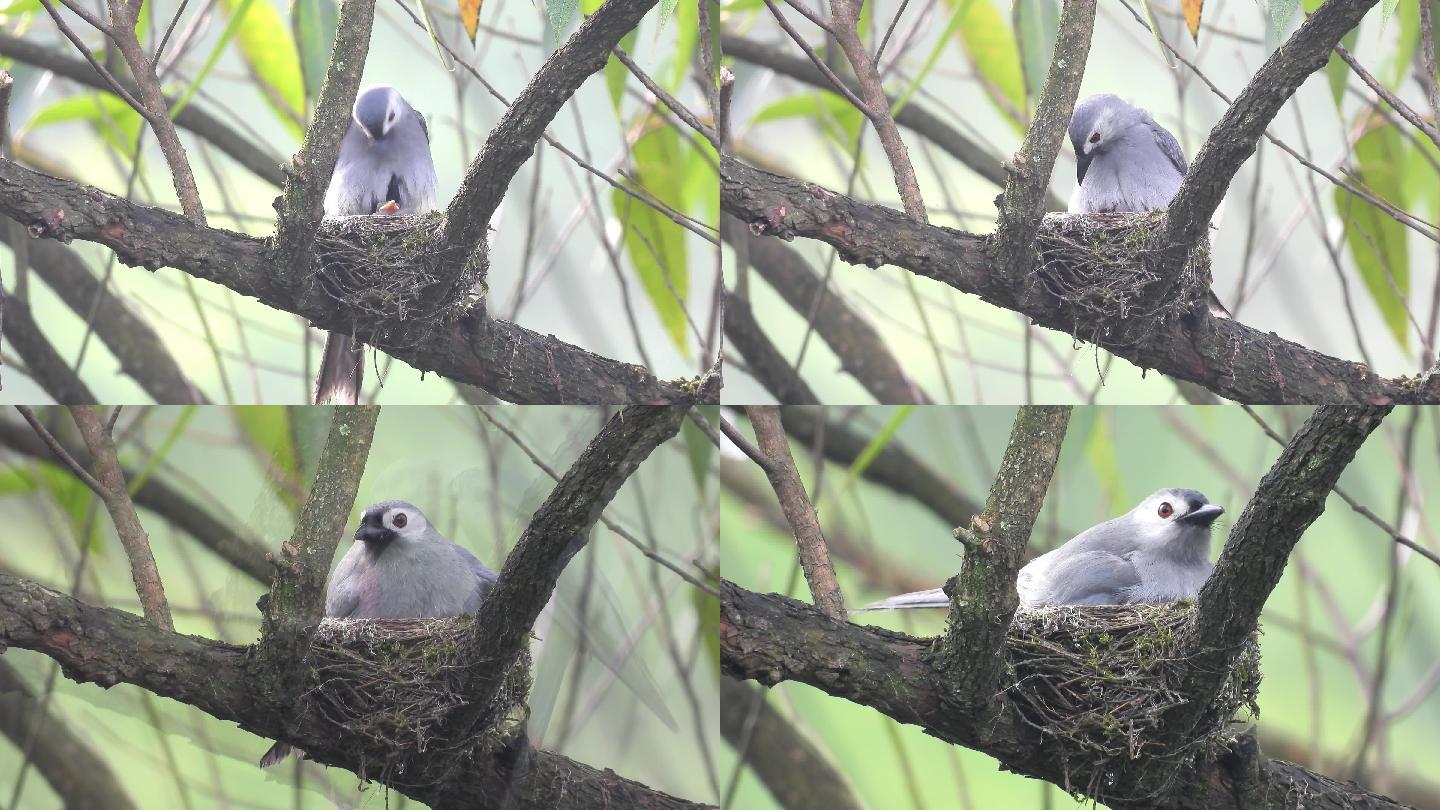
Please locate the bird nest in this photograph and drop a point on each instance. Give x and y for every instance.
(386, 272)
(1097, 269)
(1100, 681)
(391, 684)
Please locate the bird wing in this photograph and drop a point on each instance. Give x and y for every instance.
(1089, 578)
(1169, 146)
(424, 127)
(484, 578)
(342, 598)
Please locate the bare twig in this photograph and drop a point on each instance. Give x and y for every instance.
(1432, 131)
(115, 493)
(681, 111)
(804, 525)
(59, 450)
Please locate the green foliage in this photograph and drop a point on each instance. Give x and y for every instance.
(707, 608)
(268, 429)
(988, 41)
(698, 447)
(655, 245)
(837, 118)
(314, 23)
(1104, 461)
(270, 53)
(158, 457)
(616, 75)
(1377, 242)
(1036, 23)
(877, 444)
(115, 121)
(558, 14)
(1281, 12)
(75, 500)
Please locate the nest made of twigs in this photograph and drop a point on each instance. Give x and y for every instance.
(1096, 267)
(384, 270)
(390, 685)
(1100, 680)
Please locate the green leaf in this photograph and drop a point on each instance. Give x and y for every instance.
(1378, 243)
(655, 245)
(21, 8)
(957, 16)
(877, 444)
(707, 609)
(314, 23)
(115, 120)
(155, 459)
(1337, 73)
(1104, 462)
(990, 44)
(268, 430)
(698, 447)
(17, 479)
(74, 499)
(1036, 23)
(687, 44)
(1401, 56)
(558, 14)
(1281, 12)
(616, 75)
(838, 119)
(274, 62)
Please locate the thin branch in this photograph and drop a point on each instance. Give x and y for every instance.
(681, 111)
(804, 525)
(59, 450)
(1432, 131)
(115, 493)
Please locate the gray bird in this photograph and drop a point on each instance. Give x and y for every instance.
(1157, 552)
(400, 567)
(384, 158)
(1124, 161)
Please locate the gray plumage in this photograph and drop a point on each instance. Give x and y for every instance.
(384, 157)
(1157, 552)
(400, 567)
(1124, 161)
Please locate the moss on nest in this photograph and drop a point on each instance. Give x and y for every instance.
(391, 684)
(1100, 681)
(1096, 267)
(384, 271)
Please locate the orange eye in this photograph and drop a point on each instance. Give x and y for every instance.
(1094, 137)
(1166, 510)
(400, 520)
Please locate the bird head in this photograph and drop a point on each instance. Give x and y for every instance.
(1097, 122)
(383, 522)
(378, 109)
(1175, 515)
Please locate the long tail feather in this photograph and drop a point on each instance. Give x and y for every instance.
(342, 370)
(919, 599)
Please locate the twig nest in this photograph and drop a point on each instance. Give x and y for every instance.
(392, 683)
(384, 270)
(1096, 266)
(1100, 681)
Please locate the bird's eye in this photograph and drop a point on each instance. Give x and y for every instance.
(391, 118)
(400, 520)
(1094, 137)
(1166, 510)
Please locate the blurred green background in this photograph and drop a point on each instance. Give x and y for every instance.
(1304, 252)
(551, 266)
(478, 489)
(1321, 627)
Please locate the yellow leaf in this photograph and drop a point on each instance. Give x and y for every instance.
(1192, 10)
(470, 16)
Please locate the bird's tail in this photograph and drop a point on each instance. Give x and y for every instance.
(919, 599)
(342, 369)
(277, 754)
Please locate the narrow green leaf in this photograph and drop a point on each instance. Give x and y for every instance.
(877, 444)
(616, 74)
(155, 459)
(682, 60)
(21, 8)
(74, 499)
(558, 14)
(699, 449)
(1036, 24)
(267, 428)
(269, 50)
(1104, 461)
(707, 609)
(1281, 12)
(838, 119)
(1378, 243)
(990, 44)
(655, 245)
(237, 16)
(115, 120)
(16, 480)
(957, 16)
(314, 23)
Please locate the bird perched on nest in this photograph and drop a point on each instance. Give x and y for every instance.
(384, 167)
(400, 567)
(1124, 161)
(1157, 552)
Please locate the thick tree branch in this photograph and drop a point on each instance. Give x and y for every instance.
(227, 537)
(513, 140)
(510, 361)
(264, 164)
(792, 768)
(862, 352)
(556, 533)
(297, 596)
(1233, 139)
(107, 647)
(764, 361)
(1023, 203)
(115, 492)
(912, 116)
(43, 361)
(983, 597)
(1227, 357)
(143, 356)
(82, 779)
(303, 203)
(784, 478)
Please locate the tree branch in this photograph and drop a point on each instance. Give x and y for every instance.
(115, 493)
(556, 533)
(1233, 360)
(983, 597)
(510, 361)
(763, 360)
(784, 478)
(302, 203)
(106, 647)
(45, 364)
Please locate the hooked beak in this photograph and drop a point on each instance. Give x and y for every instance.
(1203, 516)
(1082, 164)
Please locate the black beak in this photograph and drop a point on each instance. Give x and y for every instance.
(1082, 164)
(372, 535)
(1203, 516)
